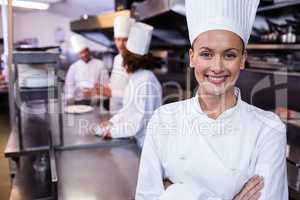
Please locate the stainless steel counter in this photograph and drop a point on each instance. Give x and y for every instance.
(87, 166)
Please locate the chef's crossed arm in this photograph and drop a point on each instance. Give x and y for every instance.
(271, 164)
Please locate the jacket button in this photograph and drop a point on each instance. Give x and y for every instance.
(182, 158)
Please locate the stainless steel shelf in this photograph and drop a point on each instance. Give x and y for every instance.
(273, 47)
(31, 146)
(273, 72)
(278, 6)
(29, 184)
(36, 58)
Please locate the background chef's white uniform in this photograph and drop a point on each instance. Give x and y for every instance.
(212, 159)
(84, 75)
(119, 77)
(141, 97)
(118, 82)
(143, 93)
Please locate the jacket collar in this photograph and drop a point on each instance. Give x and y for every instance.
(226, 114)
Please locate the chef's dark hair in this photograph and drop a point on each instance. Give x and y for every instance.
(133, 62)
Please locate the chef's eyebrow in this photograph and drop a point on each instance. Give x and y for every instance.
(206, 48)
(233, 49)
(209, 49)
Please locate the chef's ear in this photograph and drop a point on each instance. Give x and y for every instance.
(244, 58)
(191, 56)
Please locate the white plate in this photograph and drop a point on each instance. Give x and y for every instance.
(78, 109)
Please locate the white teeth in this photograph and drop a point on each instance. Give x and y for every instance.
(213, 78)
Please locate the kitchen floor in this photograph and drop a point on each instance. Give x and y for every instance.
(4, 170)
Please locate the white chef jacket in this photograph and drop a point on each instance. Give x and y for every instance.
(118, 82)
(141, 97)
(212, 159)
(81, 75)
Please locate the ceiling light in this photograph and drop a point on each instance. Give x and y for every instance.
(85, 16)
(28, 4)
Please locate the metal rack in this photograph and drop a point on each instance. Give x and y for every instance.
(44, 93)
(273, 47)
(16, 147)
(278, 6)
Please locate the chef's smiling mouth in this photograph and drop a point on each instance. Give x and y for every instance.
(216, 79)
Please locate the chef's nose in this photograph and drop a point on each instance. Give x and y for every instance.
(217, 65)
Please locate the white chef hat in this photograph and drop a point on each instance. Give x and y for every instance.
(139, 38)
(78, 43)
(232, 15)
(122, 25)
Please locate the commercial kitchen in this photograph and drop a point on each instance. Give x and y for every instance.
(56, 149)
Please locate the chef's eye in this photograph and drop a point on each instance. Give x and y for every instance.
(205, 54)
(230, 56)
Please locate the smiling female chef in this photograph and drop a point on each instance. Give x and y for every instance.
(143, 92)
(215, 146)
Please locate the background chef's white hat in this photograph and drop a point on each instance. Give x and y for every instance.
(139, 38)
(78, 43)
(232, 15)
(122, 25)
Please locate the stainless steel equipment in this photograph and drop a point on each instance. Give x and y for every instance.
(168, 19)
(288, 37)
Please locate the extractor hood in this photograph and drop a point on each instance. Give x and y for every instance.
(168, 19)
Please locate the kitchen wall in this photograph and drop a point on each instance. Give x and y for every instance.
(1, 32)
(42, 25)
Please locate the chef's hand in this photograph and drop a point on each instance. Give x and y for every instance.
(90, 92)
(106, 135)
(251, 190)
(283, 113)
(167, 183)
(103, 90)
(70, 101)
(3, 83)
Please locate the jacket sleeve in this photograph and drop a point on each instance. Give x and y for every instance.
(103, 74)
(151, 173)
(271, 165)
(150, 180)
(135, 113)
(126, 123)
(129, 120)
(179, 191)
(70, 86)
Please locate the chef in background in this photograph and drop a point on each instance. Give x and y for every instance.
(3, 67)
(143, 92)
(3, 73)
(119, 77)
(84, 74)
